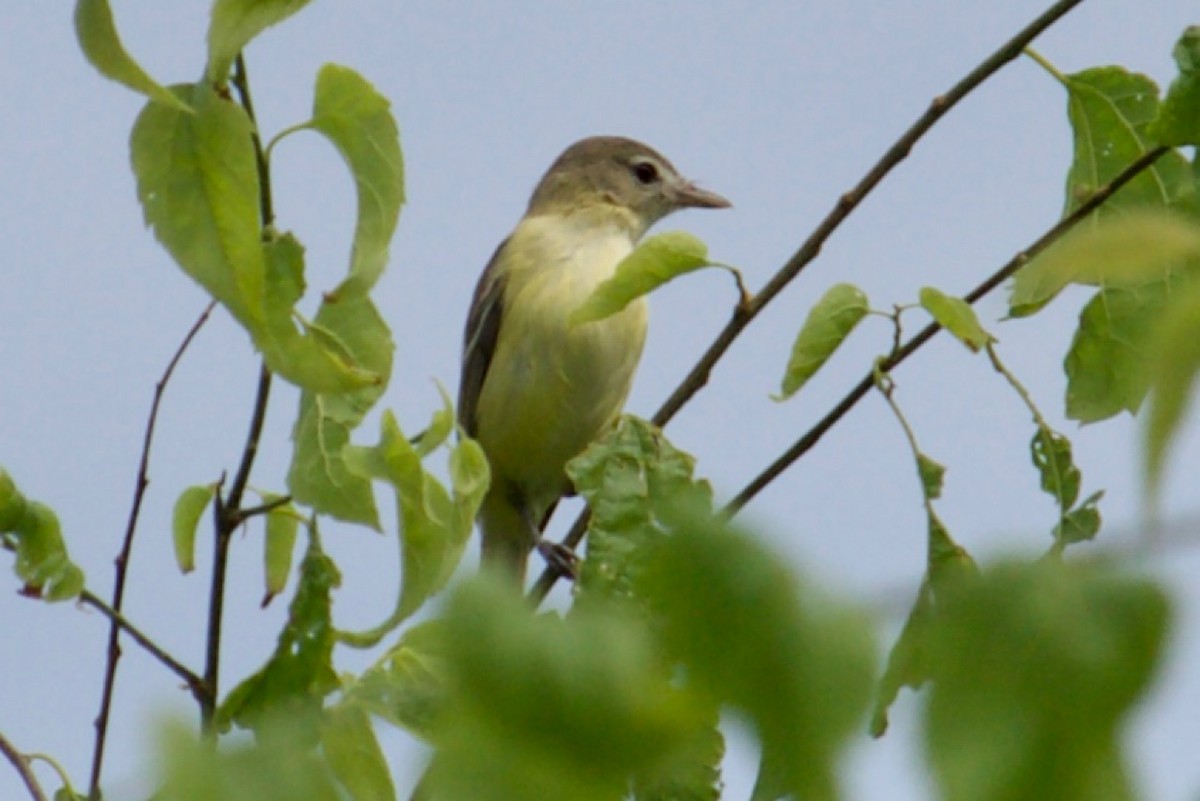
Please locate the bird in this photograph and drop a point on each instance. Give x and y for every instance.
(536, 389)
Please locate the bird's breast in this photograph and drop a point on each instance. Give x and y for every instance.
(554, 386)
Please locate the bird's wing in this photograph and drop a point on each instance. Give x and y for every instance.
(479, 339)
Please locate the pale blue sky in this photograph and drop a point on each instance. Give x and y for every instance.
(780, 106)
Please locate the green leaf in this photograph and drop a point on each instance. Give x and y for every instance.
(750, 635)
(12, 503)
(358, 121)
(314, 360)
(1110, 110)
(42, 562)
(234, 23)
(1080, 524)
(406, 686)
(101, 45)
(298, 676)
(283, 523)
(1136, 248)
(631, 479)
(828, 324)
(185, 518)
(542, 707)
(1051, 454)
(692, 773)
(276, 768)
(1035, 669)
(908, 662)
(434, 525)
(1178, 121)
(197, 181)
(1173, 361)
(652, 263)
(957, 317)
(1105, 364)
(932, 476)
(440, 427)
(318, 476)
(353, 753)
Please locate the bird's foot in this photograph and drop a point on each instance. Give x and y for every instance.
(560, 558)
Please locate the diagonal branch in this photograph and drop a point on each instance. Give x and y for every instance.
(745, 312)
(847, 203)
(122, 560)
(195, 683)
(21, 763)
(814, 434)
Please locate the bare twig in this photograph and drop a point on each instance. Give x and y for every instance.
(263, 509)
(122, 560)
(746, 311)
(194, 683)
(20, 763)
(814, 434)
(227, 511)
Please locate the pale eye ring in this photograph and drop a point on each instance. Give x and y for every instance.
(645, 172)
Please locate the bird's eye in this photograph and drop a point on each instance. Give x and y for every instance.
(645, 172)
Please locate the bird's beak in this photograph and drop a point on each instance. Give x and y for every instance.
(690, 196)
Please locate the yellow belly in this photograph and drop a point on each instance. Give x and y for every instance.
(553, 388)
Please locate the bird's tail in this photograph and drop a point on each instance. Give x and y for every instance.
(508, 537)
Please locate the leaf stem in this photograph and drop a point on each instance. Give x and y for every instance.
(1045, 64)
(121, 563)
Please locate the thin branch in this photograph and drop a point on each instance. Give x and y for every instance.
(263, 509)
(194, 683)
(848, 202)
(20, 763)
(814, 434)
(227, 511)
(745, 312)
(122, 560)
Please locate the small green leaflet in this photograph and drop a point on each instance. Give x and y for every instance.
(318, 476)
(185, 518)
(1051, 453)
(300, 673)
(234, 23)
(358, 120)
(12, 503)
(283, 523)
(1136, 248)
(1081, 523)
(101, 45)
(932, 475)
(1178, 121)
(42, 560)
(652, 263)
(406, 686)
(956, 316)
(434, 523)
(826, 327)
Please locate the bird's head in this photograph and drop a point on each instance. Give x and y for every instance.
(625, 175)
